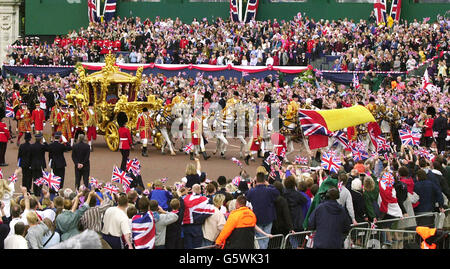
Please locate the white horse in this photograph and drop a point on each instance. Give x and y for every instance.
(163, 122)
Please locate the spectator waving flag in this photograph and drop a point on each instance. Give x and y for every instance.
(387, 199)
(39, 181)
(236, 180)
(330, 162)
(360, 155)
(341, 138)
(409, 137)
(143, 230)
(383, 144)
(109, 10)
(121, 177)
(164, 180)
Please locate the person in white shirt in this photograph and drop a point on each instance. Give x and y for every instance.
(16, 218)
(17, 240)
(116, 224)
(269, 60)
(213, 225)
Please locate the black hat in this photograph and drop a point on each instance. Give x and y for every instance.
(38, 135)
(27, 136)
(122, 118)
(90, 104)
(144, 109)
(431, 111)
(371, 99)
(58, 135)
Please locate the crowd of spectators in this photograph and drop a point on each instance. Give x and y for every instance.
(361, 45)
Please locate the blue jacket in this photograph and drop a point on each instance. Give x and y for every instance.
(262, 199)
(331, 222)
(162, 196)
(429, 193)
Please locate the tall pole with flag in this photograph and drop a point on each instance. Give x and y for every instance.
(93, 9)
(395, 9)
(380, 11)
(109, 10)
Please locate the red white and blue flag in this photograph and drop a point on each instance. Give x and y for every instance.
(121, 177)
(252, 7)
(188, 148)
(12, 178)
(111, 188)
(9, 111)
(51, 180)
(409, 137)
(143, 230)
(330, 162)
(379, 7)
(92, 11)
(196, 209)
(341, 138)
(383, 144)
(301, 160)
(387, 200)
(236, 161)
(94, 182)
(311, 126)
(134, 166)
(234, 14)
(359, 155)
(395, 9)
(109, 10)
(236, 180)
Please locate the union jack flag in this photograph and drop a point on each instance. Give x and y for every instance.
(92, 10)
(301, 160)
(409, 137)
(283, 153)
(236, 161)
(383, 144)
(121, 177)
(39, 181)
(330, 162)
(134, 166)
(111, 188)
(109, 10)
(360, 155)
(188, 148)
(236, 180)
(310, 127)
(273, 159)
(12, 178)
(164, 180)
(93, 182)
(342, 139)
(387, 179)
(380, 10)
(395, 9)
(252, 7)
(234, 11)
(51, 180)
(196, 209)
(143, 230)
(9, 111)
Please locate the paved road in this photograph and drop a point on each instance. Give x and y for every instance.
(154, 167)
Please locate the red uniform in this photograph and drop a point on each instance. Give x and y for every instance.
(125, 138)
(196, 132)
(24, 120)
(144, 125)
(256, 140)
(64, 121)
(279, 143)
(429, 127)
(38, 118)
(4, 133)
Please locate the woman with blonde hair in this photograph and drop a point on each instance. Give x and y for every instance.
(193, 174)
(6, 194)
(214, 224)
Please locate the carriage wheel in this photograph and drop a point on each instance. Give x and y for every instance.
(112, 136)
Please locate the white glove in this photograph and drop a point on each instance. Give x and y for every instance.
(153, 132)
(32, 125)
(85, 129)
(44, 123)
(96, 128)
(63, 120)
(71, 129)
(137, 135)
(22, 116)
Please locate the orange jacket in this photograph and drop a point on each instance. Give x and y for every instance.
(425, 233)
(239, 230)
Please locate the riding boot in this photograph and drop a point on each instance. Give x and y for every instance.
(191, 156)
(259, 154)
(144, 152)
(247, 158)
(205, 157)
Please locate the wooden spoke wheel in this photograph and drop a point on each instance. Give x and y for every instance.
(112, 136)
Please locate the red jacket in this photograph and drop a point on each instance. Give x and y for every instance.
(4, 132)
(37, 118)
(429, 127)
(125, 138)
(279, 143)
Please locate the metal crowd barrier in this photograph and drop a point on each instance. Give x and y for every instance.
(367, 238)
(298, 240)
(275, 242)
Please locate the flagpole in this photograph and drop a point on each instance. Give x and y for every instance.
(240, 10)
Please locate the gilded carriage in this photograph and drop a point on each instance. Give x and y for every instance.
(112, 91)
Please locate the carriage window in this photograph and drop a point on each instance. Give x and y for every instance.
(111, 96)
